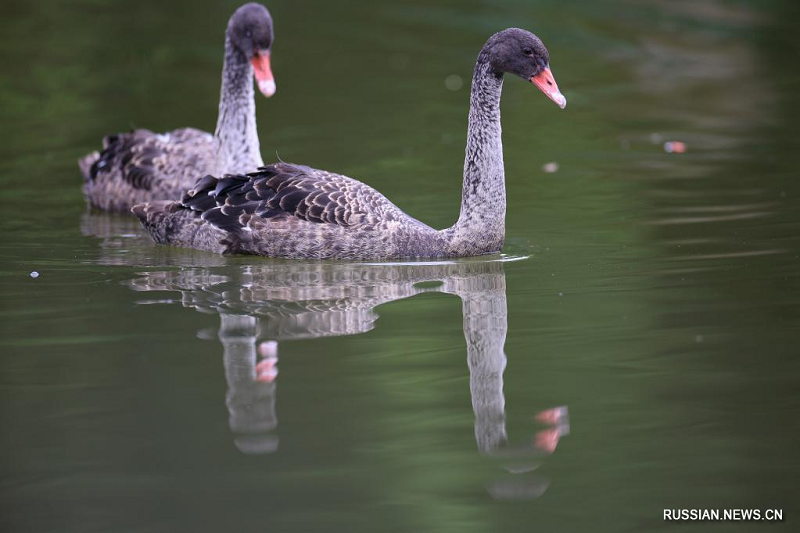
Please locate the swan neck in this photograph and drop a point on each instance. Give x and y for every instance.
(480, 228)
(236, 132)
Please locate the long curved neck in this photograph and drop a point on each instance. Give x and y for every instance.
(480, 227)
(237, 135)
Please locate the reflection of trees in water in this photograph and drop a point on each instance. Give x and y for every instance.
(721, 217)
(296, 300)
(703, 75)
(719, 220)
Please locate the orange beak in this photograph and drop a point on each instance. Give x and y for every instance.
(547, 84)
(263, 73)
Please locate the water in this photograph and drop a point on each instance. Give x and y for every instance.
(653, 296)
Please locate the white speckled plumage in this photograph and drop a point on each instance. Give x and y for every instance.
(293, 211)
(141, 166)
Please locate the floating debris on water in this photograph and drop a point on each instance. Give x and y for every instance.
(674, 147)
(453, 82)
(34, 274)
(550, 167)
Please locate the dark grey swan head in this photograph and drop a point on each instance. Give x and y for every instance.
(519, 52)
(250, 31)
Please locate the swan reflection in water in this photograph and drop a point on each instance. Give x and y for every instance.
(295, 300)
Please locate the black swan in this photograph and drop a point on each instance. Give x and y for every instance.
(292, 211)
(141, 166)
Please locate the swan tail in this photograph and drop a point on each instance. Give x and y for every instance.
(238, 242)
(171, 223)
(159, 219)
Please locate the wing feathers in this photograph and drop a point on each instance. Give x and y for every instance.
(142, 158)
(283, 189)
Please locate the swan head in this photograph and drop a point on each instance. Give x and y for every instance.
(250, 31)
(519, 52)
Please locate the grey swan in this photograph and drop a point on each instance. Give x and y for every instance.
(292, 211)
(141, 166)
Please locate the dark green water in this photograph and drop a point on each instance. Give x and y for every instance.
(656, 295)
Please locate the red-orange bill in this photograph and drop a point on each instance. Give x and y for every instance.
(263, 73)
(547, 84)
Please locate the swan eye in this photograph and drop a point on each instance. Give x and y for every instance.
(527, 51)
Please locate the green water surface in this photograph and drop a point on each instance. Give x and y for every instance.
(652, 297)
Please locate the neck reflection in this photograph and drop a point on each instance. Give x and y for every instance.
(277, 302)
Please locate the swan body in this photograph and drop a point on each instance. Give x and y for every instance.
(293, 211)
(141, 166)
